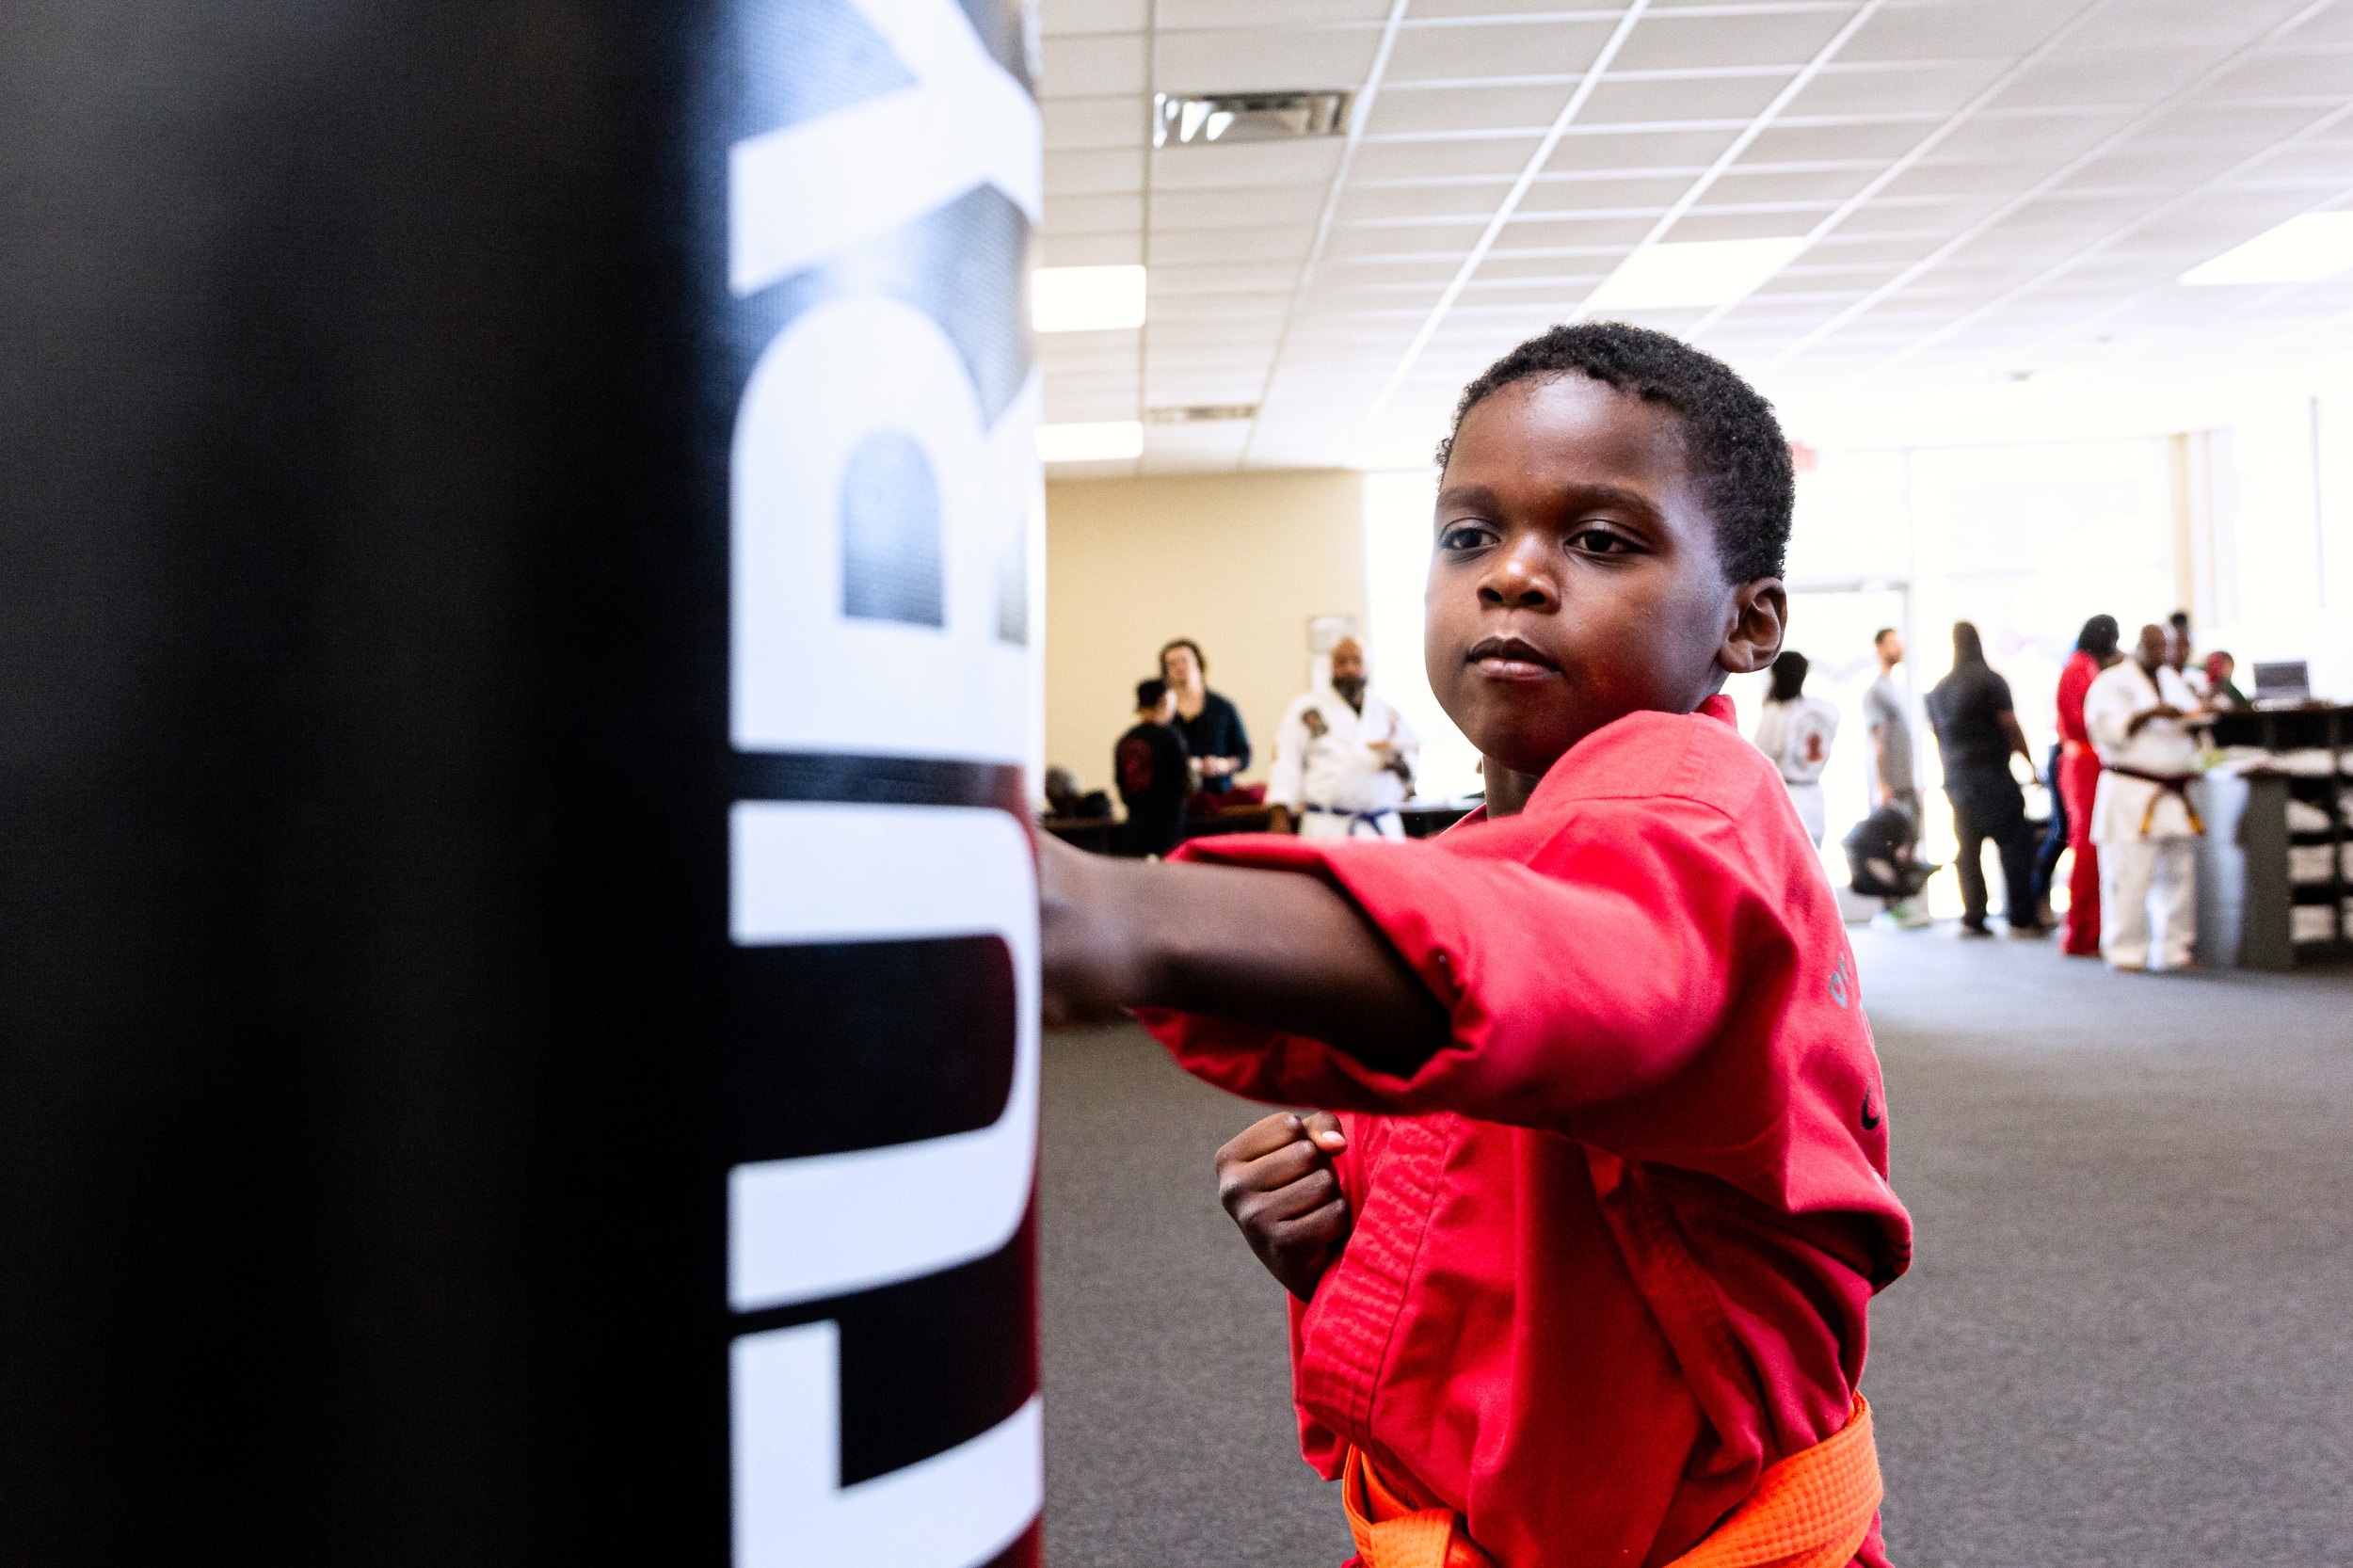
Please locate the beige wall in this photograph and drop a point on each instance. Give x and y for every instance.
(1237, 561)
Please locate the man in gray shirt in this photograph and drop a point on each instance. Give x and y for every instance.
(1893, 782)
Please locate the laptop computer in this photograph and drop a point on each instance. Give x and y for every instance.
(2281, 683)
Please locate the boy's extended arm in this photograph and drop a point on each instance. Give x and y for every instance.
(1287, 949)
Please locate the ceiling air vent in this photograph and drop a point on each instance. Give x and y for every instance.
(1202, 413)
(1247, 117)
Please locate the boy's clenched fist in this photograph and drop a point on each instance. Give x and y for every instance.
(1276, 1178)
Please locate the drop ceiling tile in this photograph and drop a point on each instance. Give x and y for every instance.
(1265, 309)
(1312, 161)
(1941, 87)
(1532, 272)
(1528, 48)
(1449, 111)
(1589, 146)
(1500, 157)
(1241, 17)
(1979, 28)
(1407, 203)
(1260, 243)
(1112, 248)
(2043, 137)
(1698, 226)
(1089, 353)
(1067, 216)
(1093, 65)
(1057, 17)
(1275, 59)
(1549, 234)
(1087, 406)
(1077, 123)
(2239, 127)
(1647, 103)
(1093, 174)
(1880, 141)
(1766, 36)
(1241, 333)
(1744, 183)
(1219, 279)
(2216, 29)
(2323, 74)
(1233, 209)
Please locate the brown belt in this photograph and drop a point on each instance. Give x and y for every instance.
(2166, 783)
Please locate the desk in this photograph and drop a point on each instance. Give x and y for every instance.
(1095, 835)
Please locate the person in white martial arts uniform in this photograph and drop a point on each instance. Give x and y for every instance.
(1343, 758)
(1795, 730)
(2142, 716)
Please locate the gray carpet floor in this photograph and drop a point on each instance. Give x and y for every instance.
(2128, 1339)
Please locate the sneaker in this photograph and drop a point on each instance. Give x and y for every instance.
(1908, 915)
(1976, 928)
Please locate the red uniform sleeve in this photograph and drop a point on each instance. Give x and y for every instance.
(1585, 967)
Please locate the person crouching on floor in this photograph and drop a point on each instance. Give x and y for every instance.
(1583, 1247)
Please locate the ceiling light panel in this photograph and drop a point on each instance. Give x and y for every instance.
(1235, 117)
(1696, 273)
(1093, 63)
(1096, 442)
(1086, 298)
(2301, 250)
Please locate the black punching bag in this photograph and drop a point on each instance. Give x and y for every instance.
(517, 941)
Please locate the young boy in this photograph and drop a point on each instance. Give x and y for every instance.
(1154, 776)
(1583, 1266)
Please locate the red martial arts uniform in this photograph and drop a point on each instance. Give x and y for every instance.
(2079, 786)
(1616, 1243)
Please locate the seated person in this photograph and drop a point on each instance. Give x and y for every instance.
(2221, 691)
(1582, 1267)
(1881, 858)
(1153, 773)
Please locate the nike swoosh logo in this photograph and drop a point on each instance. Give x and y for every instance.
(1869, 1121)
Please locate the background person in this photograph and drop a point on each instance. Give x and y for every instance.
(2078, 781)
(1343, 758)
(1895, 787)
(2221, 691)
(1154, 779)
(1211, 725)
(1796, 731)
(2139, 713)
(1976, 731)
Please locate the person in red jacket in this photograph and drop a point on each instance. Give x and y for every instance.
(2079, 780)
(1583, 1262)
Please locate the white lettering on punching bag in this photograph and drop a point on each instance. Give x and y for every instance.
(874, 512)
(805, 675)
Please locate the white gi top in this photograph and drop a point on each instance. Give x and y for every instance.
(1797, 736)
(1324, 754)
(2162, 746)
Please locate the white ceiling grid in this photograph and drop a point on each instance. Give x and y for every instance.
(1987, 189)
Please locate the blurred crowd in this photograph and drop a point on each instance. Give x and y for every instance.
(2117, 781)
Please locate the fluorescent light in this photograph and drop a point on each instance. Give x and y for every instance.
(2301, 250)
(1100, 443)
(1699, 272)
(1086, 298)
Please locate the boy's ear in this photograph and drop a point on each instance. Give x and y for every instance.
(1759, 621)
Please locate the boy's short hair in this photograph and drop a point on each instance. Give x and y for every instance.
(1735, 446)
(1148, 693)
(1879, 638)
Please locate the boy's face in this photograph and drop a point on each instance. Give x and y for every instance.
(1577, 578)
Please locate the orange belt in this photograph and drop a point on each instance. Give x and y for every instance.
(1813, 1509)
